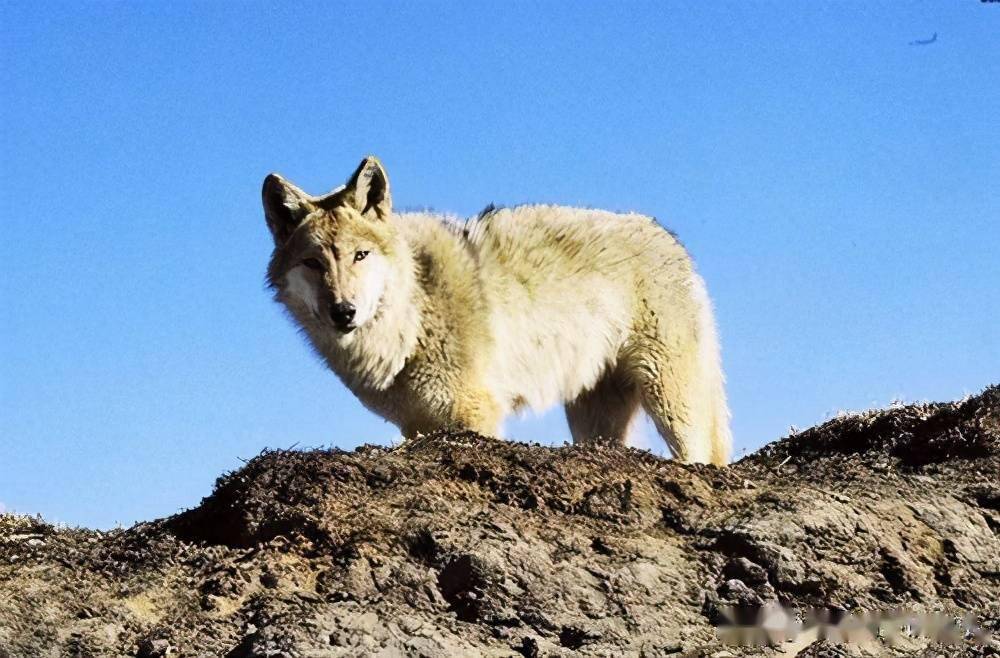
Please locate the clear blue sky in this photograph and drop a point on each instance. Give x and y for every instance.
(837, 187)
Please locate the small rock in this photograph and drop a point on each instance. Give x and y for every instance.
(154, 648)
(743, 569)
(736, 590)
(366, 622)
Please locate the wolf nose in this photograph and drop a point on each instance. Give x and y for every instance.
(342, 313)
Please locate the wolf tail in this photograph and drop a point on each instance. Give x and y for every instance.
(712, 378)
(722, 437)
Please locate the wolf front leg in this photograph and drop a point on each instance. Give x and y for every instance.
(470, 409)
(477, 410)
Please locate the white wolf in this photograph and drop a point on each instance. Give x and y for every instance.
(434, 323)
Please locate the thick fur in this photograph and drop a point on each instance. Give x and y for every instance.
(460, 324)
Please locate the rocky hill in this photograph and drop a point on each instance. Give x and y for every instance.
(456, 544)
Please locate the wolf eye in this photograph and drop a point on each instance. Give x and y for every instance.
(313, 264)
(360, 255)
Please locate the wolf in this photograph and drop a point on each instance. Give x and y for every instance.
(437, 323)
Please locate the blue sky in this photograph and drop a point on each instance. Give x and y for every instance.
(837, 187)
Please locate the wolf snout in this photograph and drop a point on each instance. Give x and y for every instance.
(342, 315)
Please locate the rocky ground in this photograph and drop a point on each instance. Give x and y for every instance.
(456, 544)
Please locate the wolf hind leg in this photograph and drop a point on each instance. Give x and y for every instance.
(603, 414)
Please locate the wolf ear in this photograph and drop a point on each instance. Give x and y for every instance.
(284, 207)
(368, 189)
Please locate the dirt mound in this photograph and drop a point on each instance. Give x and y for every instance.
(456, 544)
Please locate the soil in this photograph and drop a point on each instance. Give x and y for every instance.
(458, 544)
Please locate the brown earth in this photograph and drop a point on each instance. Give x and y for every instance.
(456, 544)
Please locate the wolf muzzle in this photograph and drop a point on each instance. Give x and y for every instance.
(342, 315)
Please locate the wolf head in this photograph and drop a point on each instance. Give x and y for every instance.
(332, 253)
